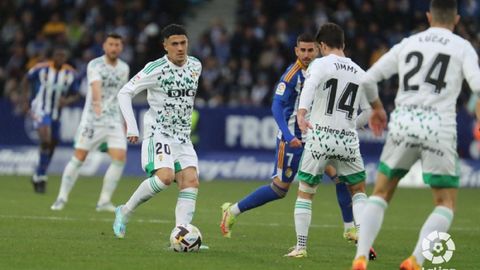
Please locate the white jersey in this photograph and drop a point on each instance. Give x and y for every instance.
(171, 92)
(332, 83)
(112, 79)
(431, 66)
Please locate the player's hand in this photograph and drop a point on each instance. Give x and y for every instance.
(378, 121)
(132, 139)
(304, 125)
(97, 108)
(295, 143)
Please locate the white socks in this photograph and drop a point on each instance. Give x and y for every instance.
(146, 190)
(185, 209)
(69, 177)
(303, 217)
(110, 181)
(359, 200)
(439, 220)
(235, 210)
(371, 220)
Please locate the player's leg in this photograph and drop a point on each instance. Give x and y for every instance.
(157, 160)
(69, 177)
(45, 136)
(111, 178)
(359, 200)
(117, 149)
(396, 159)
(187, 180)
(441, 172)
(85, 139)
(344, 199)
(371, 218)
(438, 221)
(303, 217)
(285, 169)
(309, 175)
(186, 168)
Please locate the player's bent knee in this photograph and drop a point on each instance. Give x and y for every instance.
(194, 183)
(80, 154)
(357, 188)
(307, 189)
(165, 175)
(280, 191)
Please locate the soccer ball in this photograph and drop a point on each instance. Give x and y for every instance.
(185, 238)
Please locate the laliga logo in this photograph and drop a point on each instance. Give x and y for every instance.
(443, 247)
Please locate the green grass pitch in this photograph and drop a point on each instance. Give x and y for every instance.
(34, 237)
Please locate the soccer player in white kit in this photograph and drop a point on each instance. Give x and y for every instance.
(332, 85)
(167, 152)
(101, 123)
(431, 66)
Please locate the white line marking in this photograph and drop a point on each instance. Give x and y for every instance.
(163, 221)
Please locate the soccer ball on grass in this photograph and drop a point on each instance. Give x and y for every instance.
(185, 238)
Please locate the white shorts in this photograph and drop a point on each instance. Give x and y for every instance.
(342, 153)
(439, 159)
(159, 151)
(90, 137)
(417, 134)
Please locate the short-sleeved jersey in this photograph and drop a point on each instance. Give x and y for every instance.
(288, 92)
(49, 85)
(171, 92)
(332, 83)
(431, 66)
(112, 78)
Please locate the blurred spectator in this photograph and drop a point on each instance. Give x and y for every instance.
(240, 67)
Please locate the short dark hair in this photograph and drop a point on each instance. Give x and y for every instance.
(173, 29)
(305, 37)
(443, 11)
(114, 36)
(332, 35)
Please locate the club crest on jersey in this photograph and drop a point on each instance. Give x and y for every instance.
(181, 93)
(194, 74)
(280, 88)
(288, 172)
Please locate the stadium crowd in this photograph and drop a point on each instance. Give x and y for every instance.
(241, 67)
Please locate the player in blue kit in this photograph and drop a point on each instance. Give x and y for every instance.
(289, 146)
(53, 86)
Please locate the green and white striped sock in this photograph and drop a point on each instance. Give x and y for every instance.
(303, 217)
(359, 200)
(185, 209)
(439, 220)
(146, 190)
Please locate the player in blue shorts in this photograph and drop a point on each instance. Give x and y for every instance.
(53, 85)
(289, 146)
